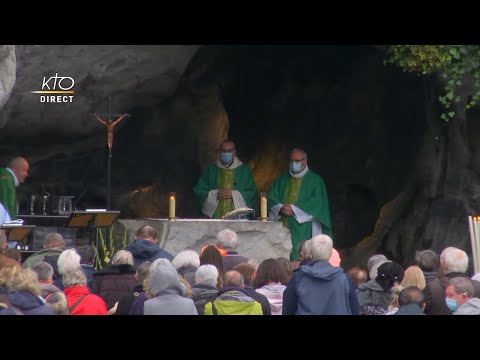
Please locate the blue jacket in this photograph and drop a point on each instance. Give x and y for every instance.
(27, 303)
(319, 288)
(144, 250)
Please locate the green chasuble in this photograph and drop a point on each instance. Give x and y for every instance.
(8, 193)
(214, 178)
(309, 194)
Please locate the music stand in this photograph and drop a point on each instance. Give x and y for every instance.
(17, 233)
(96, 219)
(93, 220)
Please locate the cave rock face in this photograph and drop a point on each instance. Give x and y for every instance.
(131, 75)
(7, 74)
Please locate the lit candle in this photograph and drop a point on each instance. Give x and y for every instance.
(171, 206)
(263, 206)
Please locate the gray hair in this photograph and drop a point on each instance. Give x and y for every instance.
(186, 258)
(307, 250)
(122, 257)
(74, 277)
(455, 259)
(143, 271)
(53, 240)
(44, 270)
(207, 274)
(427, 260)
(462, 285)
(227, 239)
(321, 247)
(373, 263)
(160, 262)
(68, 260)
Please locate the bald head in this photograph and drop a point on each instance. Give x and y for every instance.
(233, 278)
(20, 167)
(297, 154)
(298, 160)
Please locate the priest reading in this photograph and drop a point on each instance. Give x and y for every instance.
(299, 199)
(225, 185)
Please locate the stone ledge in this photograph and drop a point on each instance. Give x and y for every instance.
(257, 240)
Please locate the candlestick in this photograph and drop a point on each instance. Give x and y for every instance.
(263, 206)
(171, 206)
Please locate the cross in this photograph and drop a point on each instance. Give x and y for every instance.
(110, 126)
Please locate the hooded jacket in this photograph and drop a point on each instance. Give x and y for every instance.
(168, 290)
(471, 307)
(373, 299)
(319, 288)
(144, 250)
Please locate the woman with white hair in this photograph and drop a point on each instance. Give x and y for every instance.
(228, 240)
(186, 263)
(115, 280)
(80, 300)
(205, 288)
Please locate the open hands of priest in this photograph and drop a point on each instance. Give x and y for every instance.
(224, 194)
(286, 210)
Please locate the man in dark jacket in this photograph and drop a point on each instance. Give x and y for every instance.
(145, 247)
(453, 263)
(411, 301)
(319, 288)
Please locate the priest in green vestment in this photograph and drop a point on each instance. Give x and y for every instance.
(10, 177)
(225, 185)
(299, 199)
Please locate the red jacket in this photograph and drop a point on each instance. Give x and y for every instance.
(90, 305)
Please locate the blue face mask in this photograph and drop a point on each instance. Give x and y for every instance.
(226, 157)
(452, 304)
(295, 166)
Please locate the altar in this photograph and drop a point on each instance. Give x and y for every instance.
(256, 239)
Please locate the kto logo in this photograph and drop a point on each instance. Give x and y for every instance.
(58, 85)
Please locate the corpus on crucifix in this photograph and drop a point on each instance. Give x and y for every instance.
(110, 126)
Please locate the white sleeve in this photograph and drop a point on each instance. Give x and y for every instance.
(300, 215)
(274, 212)
(238, 200)
(211, 203)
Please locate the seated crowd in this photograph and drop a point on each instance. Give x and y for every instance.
(144, 279)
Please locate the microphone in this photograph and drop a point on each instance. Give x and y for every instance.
(75, 203)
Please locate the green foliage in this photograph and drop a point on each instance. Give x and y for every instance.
(107, 246)
(453, 62)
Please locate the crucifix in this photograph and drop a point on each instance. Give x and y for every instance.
(110, 125)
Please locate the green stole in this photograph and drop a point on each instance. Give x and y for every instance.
(291, 194)
(225, 181)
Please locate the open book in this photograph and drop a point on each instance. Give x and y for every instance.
(18, 222)
(238, 213)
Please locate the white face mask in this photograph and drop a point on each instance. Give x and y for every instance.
(295, 166)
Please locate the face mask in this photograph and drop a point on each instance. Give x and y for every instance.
(295, 166)
(226, 157)
(452, 304)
